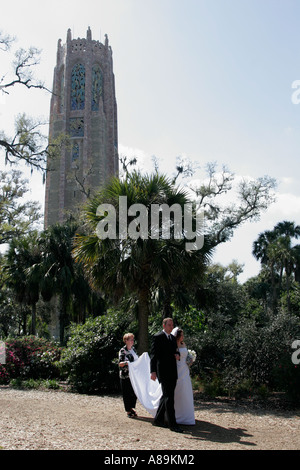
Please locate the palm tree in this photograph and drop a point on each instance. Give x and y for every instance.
(296, 252)
(260, 246)
(262, 250)
(287, 229)
(125, 266)
(274, 249)
(60, 276)
(22, 255)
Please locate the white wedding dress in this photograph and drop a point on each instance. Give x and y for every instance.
(183, 397)
(149, 392)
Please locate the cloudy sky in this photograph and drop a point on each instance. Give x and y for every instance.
(210, 80)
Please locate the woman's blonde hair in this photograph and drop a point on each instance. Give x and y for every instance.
(127, 336)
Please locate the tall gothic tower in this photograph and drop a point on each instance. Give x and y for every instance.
(83, 107)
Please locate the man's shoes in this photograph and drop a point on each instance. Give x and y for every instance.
(176, 429)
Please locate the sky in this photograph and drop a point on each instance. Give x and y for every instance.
(209, 80)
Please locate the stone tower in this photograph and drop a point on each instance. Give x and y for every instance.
(83, 107)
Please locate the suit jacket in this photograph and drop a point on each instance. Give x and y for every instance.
(162, 357)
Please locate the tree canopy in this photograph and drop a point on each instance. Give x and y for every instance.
(17, 216)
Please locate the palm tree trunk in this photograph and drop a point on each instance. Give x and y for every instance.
(143, 315)
(33, 319)
(274, 291)
(288, 292)
(62, 320)
(167, 308)
(24, 320)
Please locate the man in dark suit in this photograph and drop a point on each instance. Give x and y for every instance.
(164, 353)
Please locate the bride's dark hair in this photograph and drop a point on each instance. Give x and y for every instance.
(178, 333)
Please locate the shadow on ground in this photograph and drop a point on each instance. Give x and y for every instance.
(205, 431)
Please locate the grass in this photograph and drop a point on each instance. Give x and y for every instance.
(34, 384)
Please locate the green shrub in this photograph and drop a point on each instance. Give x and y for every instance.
(249, 358)
(28, 384)
(90, 358)
(29, 357)
(213, 386)
(286, 376)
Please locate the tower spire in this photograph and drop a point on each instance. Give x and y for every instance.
(89, 34)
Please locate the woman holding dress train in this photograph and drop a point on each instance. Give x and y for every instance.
(127, 354)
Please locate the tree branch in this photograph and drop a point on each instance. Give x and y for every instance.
(23, 64)
(255, 196)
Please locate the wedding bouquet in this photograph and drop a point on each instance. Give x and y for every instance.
(191, 357)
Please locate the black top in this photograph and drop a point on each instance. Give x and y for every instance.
(125, 355)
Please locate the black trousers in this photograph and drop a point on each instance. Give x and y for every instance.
(129, 397)
(166, 410)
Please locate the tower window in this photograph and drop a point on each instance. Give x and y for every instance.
(75, 152)
(76, 127)
(78, 87)
(97, 86)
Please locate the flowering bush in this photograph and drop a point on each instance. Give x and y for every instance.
(4, 377)
(30, 357)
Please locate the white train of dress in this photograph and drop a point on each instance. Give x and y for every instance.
(149, 392)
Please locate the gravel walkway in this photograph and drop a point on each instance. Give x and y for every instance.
(54, 420)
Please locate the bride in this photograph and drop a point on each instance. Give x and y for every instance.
(149, 392)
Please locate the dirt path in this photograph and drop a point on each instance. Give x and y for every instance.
(54, 420)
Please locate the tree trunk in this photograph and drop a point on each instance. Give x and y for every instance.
(167, 308)
(288, 298)
(24, 320)
(62, 320)
(143, 315)
(33, 319)
(274, 291)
